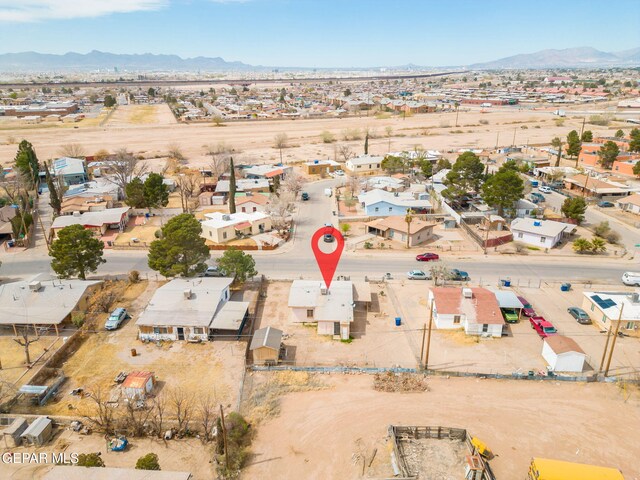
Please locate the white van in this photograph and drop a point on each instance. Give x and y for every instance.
(631, 278)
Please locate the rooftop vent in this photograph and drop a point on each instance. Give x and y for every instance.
(76, 214)
(323, 290)
(467, 293)
(35, 286)
(635, 297)
(187, 293)
(226, 218)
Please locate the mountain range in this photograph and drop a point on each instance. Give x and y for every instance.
(96, 60)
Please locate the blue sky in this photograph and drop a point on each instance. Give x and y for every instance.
(320, 33)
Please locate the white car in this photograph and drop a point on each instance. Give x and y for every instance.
(631, 279)
(339, 173)
(418, 275)
(544, 189)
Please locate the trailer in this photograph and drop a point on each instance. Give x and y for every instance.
(546, 469)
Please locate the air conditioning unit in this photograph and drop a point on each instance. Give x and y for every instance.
(226, 218)
(467, 293)
(187, 293)
(35, 286)
(323, 290)
(76, 214)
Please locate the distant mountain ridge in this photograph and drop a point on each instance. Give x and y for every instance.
(96, 60)
(568, 58)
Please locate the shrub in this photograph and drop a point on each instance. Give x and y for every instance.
(327, 137)
(582, 245)
(157, 233)
(559, 122)
(148, 462)
(368, 245)
(345, 227)
(524, 127)
(484, 122)
(77, 318)
(89, 460)
(600, 120)
(134, 276)
(601, 229)
(612, 237)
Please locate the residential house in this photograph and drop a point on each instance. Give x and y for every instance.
(331, 309)
(380, 203)
(6, 214)
(319, 167)
(563, 354)
(589, 157)
(530, 161)
(604, 309)
(396, 228)
(98, 222)
(364, 164)
(84, 204)
(525, 208)
(266, 171)
(593, 187)
(540, 233)
(193, 310)
(265, 345)
(475, 310)
(628, 204)
(390, 184)
(244, 185)
(138, 384)
(71, 171)
(252, 203)
(224, 227)
(624, 165)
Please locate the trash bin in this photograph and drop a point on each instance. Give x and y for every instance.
(565, 287)
(506, 283)
(398, 321)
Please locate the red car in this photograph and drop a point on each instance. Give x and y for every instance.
(528, 310)
(427, 257)
(544, 328)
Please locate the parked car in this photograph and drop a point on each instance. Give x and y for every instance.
(542, 326)
(427, 257)
(631, 278)
(212, 272)
(606, 204)
(545, 189)
(535, 197)
(116, 318)
(339, 173)
(580, 315)
(459, 275)
(418, 275)
(305, 196)
(528, 310)
(510, 315)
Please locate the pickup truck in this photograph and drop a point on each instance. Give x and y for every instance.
(543, 327)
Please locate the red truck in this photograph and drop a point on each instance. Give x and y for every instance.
(544, 328)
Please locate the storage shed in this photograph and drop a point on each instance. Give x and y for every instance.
(563, 354)
(265, 345)
(138, 384)
(12, 434)
(39, 432)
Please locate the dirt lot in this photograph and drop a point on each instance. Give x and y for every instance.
(127, 115)
(175, 455)
(521, 350)
(376, 340)
(13, 358)
(320, 432)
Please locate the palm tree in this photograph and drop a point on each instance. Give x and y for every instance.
(557, 144)
(408, 218)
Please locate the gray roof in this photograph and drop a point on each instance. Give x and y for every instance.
(18, 426)
(68, 166)
(336, 305)
(37, 427)
(230, 316)
(242, 184)
(64, 472)
(547, 228)
(6, 214)
(507, 299)
(50, 305)
(266, 337)
(93, 219)
(169, 306)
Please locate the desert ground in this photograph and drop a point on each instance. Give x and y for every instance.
(150, 130)
(321, 432)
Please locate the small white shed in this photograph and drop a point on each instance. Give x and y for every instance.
(563, 354)
(39, 432)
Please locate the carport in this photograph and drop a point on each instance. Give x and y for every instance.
(508, 300)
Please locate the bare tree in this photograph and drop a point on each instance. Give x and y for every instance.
(187, 184)
(346, 152)
(72, 150)
(158, 409)
(207, 409)
(219, 161)
(293, 183)
(104, 412)
(280, 208)
(25, 341)
(182, 404)
(354, 185)
(175, 152)
(280, 141)
(136, 419)
(125, 168)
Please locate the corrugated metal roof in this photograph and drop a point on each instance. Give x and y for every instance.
(266, 337)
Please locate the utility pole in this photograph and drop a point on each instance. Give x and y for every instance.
(426, 357)
(224, 438)
(604, 353)
(513, 143)
(497, 139)
(584, 119)
(613, 344)
(424, 333)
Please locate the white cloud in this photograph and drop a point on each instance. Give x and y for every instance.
(37, 10)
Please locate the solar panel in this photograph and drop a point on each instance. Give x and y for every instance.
(603, 303)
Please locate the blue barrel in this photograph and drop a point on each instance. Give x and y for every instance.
(565, 287)
(506, 283)
(398, 321)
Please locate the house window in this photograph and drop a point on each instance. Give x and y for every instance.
(224, 235)
(309, 312)
(160, 330)
(520, 235)
(543, 239)
(593, 307)
(376, 209)
(244, 209)
(197, 330)
(210, 234)
(629, 326)
(485, 328)
(254, 209)
(390, 209)
(456, 319)
(604, 319)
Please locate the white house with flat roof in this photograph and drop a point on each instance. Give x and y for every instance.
(223, 227)
(604, 309)
(540, 233)
(192, 309)
(332, 309)
(364, 165)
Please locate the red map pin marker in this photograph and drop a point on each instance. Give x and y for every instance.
(327, 262)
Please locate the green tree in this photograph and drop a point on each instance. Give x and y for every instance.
(148, 462)
(608, 154)
(55, 199)
(345, 228)
(232, 187)
(634, 144)
(636, 169)
(503, 190)
(598, 245)
(156, 193)
(573, 144)
(393, 164)
(134, 193)
(151, 92)
(574, 208)
(347, 92)
(581, 245)
(366, 144)
(109, 101)
(442, 164)
(619, 134)
(587, 136)
(426, 167)
(76, 252)
(20, 223)
(556, 143)
(181, 250)
(465, 176)
(27, 163)
(237, 264)
(89, 460)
